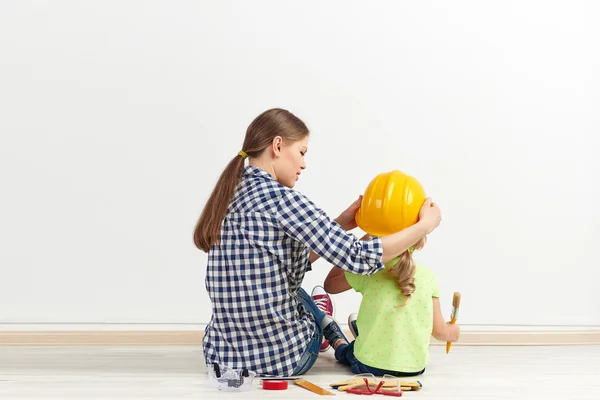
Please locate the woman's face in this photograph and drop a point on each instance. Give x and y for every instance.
(289, 162)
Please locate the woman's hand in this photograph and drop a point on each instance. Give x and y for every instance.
(347, 217)
(430, 215)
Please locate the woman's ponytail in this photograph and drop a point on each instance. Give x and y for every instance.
(208, 227)
(259, 136)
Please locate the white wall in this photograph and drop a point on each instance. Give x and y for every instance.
(118, 116)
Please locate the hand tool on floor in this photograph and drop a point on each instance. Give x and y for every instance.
(312, 387)
(406, 386)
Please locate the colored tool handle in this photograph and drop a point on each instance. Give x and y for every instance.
(454, 315)
(313, 388)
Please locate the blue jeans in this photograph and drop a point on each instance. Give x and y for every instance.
(345, 355)
(312, 350)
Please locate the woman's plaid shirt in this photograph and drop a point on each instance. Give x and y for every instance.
(254, 274)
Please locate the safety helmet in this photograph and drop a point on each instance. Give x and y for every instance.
(391, 203)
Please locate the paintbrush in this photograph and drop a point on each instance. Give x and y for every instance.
(454, 315)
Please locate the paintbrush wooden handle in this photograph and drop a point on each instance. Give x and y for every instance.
(453, 315)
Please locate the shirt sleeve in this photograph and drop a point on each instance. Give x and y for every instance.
(303, 221)
(355, 280)
(435, 286)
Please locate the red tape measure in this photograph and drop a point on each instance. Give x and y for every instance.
(275, 385)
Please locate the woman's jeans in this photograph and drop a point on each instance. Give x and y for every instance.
(312, 351)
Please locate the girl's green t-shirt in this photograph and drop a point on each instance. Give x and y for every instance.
(391, 337)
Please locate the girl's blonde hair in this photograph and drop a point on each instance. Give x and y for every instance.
(405, 271)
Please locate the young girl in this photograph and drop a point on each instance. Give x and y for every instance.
(399, 311)
(261, 237)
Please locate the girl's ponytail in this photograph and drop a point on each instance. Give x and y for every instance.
(405, 271)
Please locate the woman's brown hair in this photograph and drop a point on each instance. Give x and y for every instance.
(259, 136)
(405, 271)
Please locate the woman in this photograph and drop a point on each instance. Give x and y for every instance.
(261, 237)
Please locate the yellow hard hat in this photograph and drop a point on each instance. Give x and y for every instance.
(391, 203)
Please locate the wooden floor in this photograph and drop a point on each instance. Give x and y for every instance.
(175, 372)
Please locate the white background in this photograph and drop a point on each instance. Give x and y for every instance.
(117, 117)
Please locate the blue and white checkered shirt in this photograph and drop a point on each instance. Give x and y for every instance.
(254, 274)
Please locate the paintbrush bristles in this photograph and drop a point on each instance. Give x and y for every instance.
(455, 305)
(456, 299)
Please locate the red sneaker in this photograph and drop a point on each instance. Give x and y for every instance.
(325, 304)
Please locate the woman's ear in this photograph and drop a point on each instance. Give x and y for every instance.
(276, 146)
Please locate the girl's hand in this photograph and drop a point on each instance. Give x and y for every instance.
(347, 217)
(430, 215)
(453, 332)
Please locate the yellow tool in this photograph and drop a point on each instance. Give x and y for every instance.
(312, 387)
(406, 386)
(454, 315)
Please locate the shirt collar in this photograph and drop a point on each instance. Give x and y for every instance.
(255, 171)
